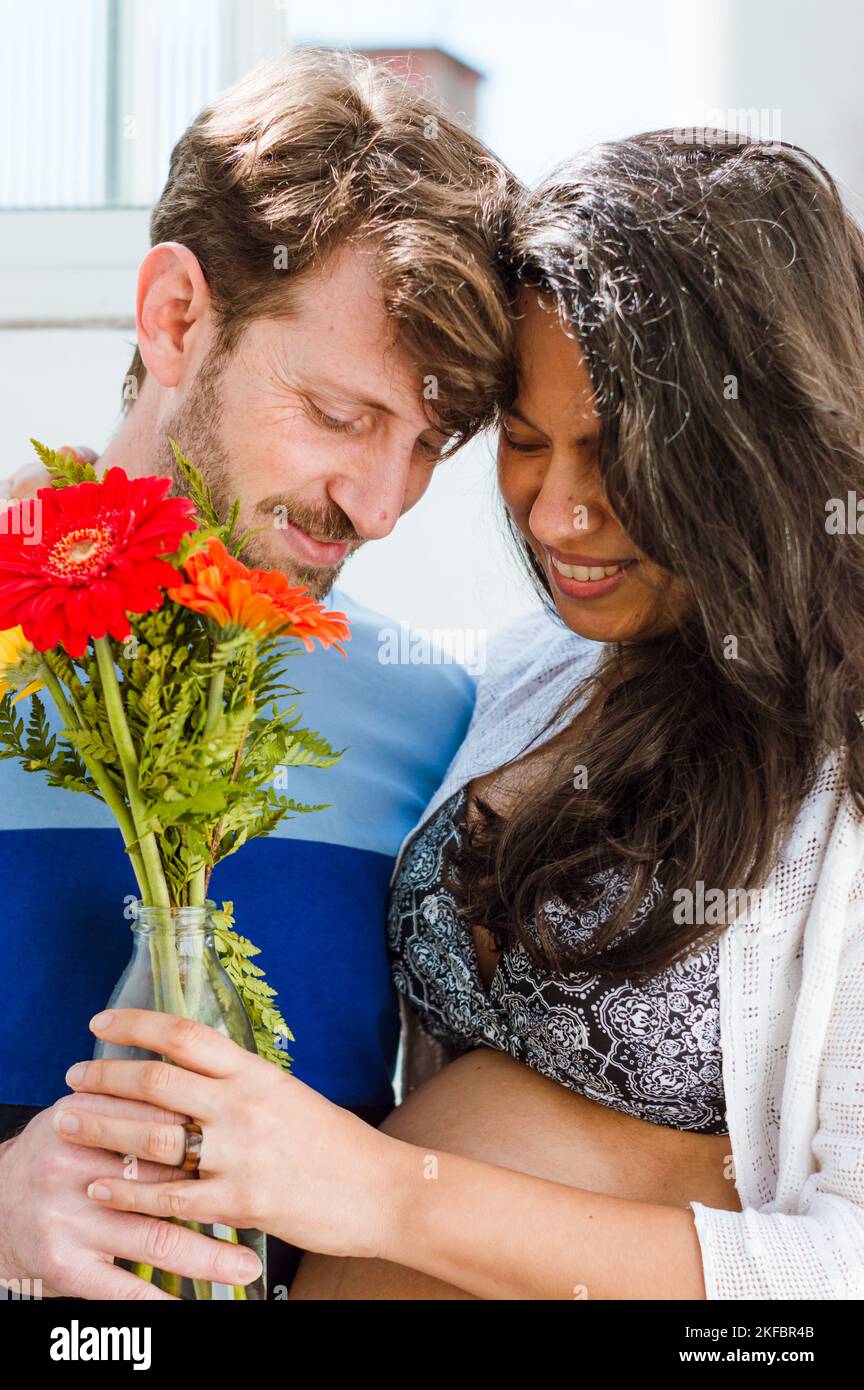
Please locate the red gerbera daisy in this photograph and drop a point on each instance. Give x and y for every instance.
(97, 559)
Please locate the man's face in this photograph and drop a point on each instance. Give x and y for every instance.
(315, 423)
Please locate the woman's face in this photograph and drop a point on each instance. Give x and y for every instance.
(550, 481)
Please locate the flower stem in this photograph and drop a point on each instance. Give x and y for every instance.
(195, 949)
(197, 887)
(214, 700)
(215, 695)
(169, 966)
(100, 776)
(128, 761)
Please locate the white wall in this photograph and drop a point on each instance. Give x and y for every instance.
(77, 266)
(807, 59)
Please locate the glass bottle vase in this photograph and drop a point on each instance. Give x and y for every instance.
(174, 968)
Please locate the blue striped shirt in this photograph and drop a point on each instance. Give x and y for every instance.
(312, 895)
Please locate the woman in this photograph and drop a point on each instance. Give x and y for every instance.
(629, 931)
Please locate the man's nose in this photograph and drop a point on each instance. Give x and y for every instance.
(375, 496)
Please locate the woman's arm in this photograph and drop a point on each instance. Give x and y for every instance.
(279, 1157)
(500, 1234)
(814, 1249)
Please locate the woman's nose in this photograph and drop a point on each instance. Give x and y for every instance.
(565, 508)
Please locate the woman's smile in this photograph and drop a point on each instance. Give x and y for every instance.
(580, 577)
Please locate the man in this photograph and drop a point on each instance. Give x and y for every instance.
(319, 320)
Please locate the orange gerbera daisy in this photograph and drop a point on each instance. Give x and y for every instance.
(225, 590)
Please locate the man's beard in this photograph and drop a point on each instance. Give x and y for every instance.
(196, 427)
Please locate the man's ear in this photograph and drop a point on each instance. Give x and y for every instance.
(172, 312)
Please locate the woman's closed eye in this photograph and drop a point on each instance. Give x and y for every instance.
(523, 445)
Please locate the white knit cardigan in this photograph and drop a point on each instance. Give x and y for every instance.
(791, 1009)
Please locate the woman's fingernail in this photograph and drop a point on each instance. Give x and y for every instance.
(76, 1073)
(249, 1267)
(66, 1122)
(99, 1191)
(101, 1020)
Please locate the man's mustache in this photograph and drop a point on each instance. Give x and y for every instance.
(329, 523)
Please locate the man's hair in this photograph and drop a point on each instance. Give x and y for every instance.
(314, 148)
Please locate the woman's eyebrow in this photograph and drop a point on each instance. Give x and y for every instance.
(582, 439)
(515, 414)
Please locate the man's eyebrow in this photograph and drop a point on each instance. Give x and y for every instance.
(341, 392)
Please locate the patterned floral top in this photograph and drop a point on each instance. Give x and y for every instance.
(651, 1050)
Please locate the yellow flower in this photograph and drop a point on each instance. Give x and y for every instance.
(15, 649)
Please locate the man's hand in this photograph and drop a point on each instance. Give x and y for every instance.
(51, 1230)
(27, 479)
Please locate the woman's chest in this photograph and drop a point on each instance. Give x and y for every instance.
(651, 1049)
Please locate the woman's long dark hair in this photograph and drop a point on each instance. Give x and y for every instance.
(716, 289)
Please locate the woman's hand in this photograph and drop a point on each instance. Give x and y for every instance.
(275, 1155)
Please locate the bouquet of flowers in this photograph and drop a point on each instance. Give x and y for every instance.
(162, 652)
